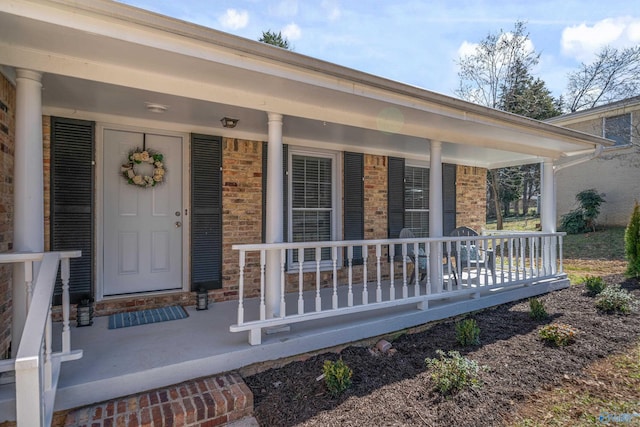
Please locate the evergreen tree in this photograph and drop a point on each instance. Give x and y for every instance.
(275, 39)
(632, 243)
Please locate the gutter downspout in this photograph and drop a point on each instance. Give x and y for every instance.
(596, 153)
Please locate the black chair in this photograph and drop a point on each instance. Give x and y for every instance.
(472, 255)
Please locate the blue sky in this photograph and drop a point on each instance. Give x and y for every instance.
(418, 42)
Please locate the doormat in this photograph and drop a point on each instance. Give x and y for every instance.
(143, 317)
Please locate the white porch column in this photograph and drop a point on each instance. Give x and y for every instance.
(274, 220)
(28, 187)
(435, 215)
(548, 211)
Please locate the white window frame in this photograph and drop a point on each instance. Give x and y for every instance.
(336, 198)
(406, 209)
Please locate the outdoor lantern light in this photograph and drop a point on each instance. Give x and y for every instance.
(228, 122)
(84, 315)
(202, 302)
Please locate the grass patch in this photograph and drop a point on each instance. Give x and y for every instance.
(607, 244)
(609, 394)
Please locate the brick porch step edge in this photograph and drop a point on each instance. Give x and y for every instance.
(210, 401)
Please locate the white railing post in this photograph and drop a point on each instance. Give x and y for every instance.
(300, 280)
(365, 291)
(241, 288)
(65, 274)
(392, 289)
(350, 277)
(318, 259)
(334, 257)
(263, 268)
(379, 273)
(30, 410)
(283, 279)
(405, 290)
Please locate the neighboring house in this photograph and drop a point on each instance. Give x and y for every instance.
(260, 146)
(616, 171)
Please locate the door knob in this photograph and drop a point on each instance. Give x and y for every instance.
(178, 224)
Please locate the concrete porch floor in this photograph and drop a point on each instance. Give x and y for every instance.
(130, 360)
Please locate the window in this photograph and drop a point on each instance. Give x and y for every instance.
(313, 200)
(416, 200)
(618, 128)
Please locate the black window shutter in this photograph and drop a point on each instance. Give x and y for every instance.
(395, 201)
(285, 191)
(354, 201)
(72, 150)
(206, 212)
(448, 198)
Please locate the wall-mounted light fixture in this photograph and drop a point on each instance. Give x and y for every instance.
(156, 108)
(228, 122)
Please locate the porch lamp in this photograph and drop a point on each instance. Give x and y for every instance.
(202, 299)
(228, 122)
(84, 314)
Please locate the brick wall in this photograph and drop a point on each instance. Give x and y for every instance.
(471, 197)
(241, 214)
(7, 147)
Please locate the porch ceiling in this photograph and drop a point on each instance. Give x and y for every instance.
(103, 61)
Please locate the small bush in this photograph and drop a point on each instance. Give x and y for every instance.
(583, 219)
(537, 310)
(559, 334)
(594, 285)
(452, 372)
(337, 376)
(614, 299)
(468, 332)
(573, 222)
(632, 243)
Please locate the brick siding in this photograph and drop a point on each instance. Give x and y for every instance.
(7, 150)
(212, 401)
(471, 197)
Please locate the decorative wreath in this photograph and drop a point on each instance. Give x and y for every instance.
(137, 157)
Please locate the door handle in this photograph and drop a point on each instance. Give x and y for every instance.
(178, 224)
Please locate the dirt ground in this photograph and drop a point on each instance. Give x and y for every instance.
(396, 389)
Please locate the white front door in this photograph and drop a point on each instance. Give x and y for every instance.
(142, 227)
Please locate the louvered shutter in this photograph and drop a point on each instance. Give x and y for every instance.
(448, 198)
(395, 198)
(72, 183)
(285, 191)
(206, 212)
(354, 201)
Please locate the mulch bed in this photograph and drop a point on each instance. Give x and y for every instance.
(396, 389)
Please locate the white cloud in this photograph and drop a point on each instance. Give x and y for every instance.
(332, 9)
(583, 41)
(291, 32)
(467, 49)
(234, 19)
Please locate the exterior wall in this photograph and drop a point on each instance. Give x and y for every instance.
(471, 197)
(616, 174)
(242, 221)
(7, 149)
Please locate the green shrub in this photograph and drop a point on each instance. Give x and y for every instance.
(614, 299)
(337, 376)
(537, 310)
(559, 334)
(594, 285)
(632, 243)
(468, 332)
(583, 219)
(452, 372)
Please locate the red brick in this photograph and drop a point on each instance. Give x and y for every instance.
(163, 396)
(145, 417)
(107, 422)
(221, 420)
(153, 398)
(190, 411)
(144, 401)
(156, 415)
(121, 407)
(133, 420)
(121, 420)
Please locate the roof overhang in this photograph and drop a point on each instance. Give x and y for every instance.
(103, 60)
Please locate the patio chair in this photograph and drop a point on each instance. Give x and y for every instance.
(472, 255)
(406, 233)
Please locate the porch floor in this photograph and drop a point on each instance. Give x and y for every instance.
(120, 362)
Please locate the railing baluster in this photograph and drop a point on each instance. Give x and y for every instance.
(241, 288)
(378, 272)
(365, 291)
(350, 262)
(48, 367)
(283, 277)
(416, 269)
(66, 329)
(392, 289)
(263, 268)
(318, 259)
(448, 256)
(334, 256)
(300, 280)
(405, 291)
(560, 255)
(427, 251)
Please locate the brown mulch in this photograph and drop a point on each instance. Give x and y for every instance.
(396, 389)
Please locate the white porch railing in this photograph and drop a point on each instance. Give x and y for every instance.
(520, 259)
(36, 367)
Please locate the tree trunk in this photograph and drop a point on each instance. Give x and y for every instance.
(494, 189)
